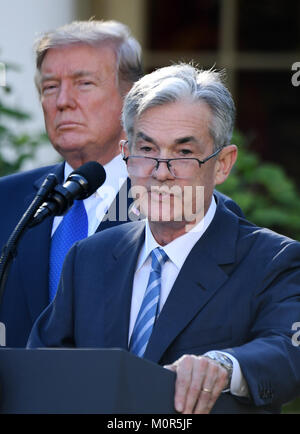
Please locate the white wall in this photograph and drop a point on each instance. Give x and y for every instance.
(21, 21)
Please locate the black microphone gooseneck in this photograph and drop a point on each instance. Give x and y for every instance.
(9, 249)
(52, 199)
(79, 185)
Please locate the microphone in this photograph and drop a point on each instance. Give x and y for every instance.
(80, 184)
(9, 250)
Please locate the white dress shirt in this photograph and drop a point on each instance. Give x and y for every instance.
(177, 251)
(98, 203)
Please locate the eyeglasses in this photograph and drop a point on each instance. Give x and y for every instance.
(184, 168)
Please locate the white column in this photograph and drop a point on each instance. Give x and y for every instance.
(21, 21)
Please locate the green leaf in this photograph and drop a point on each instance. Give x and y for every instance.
(14, 113)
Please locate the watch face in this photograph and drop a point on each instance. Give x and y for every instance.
(222, 359)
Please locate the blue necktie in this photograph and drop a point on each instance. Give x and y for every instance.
(150, 305)
(73, 227)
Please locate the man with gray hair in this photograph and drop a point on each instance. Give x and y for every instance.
(84, 70)
(194, 287)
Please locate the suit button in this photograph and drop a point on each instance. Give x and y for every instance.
(266, 393)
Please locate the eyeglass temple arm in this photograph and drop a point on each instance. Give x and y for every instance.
(210, 156)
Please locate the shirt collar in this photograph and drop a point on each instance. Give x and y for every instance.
(178, 249)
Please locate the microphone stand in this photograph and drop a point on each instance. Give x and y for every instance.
(9, 250)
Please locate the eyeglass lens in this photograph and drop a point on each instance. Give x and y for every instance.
(142, 167)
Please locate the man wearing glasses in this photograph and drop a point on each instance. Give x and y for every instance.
(193, 287)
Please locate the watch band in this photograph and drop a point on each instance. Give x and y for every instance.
(224, 361)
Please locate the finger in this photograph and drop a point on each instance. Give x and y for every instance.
(219, 386)
(212, 388)
(200, 365)
(172, 367)
(183, 379)
(203, 404)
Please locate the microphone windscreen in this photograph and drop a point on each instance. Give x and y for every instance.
(94, 173)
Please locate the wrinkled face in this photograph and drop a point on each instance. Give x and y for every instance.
(174, 130)
(81, 100)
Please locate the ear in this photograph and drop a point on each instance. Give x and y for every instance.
(225, 162)
(123, 144)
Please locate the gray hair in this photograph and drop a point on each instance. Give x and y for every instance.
(183, 82)
(127, 48)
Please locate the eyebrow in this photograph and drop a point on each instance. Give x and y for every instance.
(143, 136)
(76, 74)
(186, 140)
(179, 141)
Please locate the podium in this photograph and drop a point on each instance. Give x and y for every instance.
(82, 381)
(91, 381)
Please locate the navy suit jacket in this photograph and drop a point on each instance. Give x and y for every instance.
(26, 291)
(238, 290)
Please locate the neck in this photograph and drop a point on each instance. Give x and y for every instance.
(93, 152)
(165, 232)
(79, 158)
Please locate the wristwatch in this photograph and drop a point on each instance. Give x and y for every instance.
(224, 361)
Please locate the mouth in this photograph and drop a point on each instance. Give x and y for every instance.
(164, 193)
(67, 125)
(160, 195)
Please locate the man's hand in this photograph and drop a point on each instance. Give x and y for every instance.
(198, 384)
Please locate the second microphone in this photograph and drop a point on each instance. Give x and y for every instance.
(80, 184)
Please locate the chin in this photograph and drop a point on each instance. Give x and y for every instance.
(166, 210)
(70, 142)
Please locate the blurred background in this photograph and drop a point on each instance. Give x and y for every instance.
(257, 42)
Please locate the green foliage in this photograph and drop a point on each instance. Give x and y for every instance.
(292, 407)
(15, 147)
(267, 196)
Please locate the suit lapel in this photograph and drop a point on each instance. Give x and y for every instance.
(199, 279)
(118, 211)
(34, 254)
(118, 286)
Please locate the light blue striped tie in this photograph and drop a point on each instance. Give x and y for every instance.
(149, 308)
(72, 228)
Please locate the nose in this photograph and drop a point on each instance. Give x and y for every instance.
(162, 172)
(65, 97)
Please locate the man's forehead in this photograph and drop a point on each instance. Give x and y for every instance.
(174, 123)
(79, 59)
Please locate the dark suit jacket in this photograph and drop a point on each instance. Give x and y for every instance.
(26, 290)
(238, 290)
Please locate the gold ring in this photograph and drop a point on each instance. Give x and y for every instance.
(206, 390)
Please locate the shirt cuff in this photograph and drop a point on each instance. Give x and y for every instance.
(238, 385)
